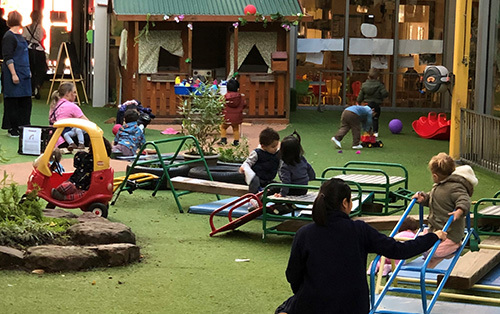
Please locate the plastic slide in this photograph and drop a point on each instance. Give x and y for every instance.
(434, 126)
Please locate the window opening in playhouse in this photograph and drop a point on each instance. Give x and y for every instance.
(254, 62)
(168, 61)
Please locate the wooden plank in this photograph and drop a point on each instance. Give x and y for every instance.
(473, 266)
(207, 186)
(260, 99)
(281, 95)
(172, 101)
(271, 90)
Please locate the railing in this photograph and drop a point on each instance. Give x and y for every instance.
(480, 140)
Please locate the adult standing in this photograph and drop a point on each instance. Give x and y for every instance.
(373, 92)
(326, 269)
(34, 35)
(63, 107)
(16, 77)
(3, 28)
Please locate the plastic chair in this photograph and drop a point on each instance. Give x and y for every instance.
(302, 88)
(356, 88)
(332, 90)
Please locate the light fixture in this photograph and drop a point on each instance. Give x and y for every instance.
(362, 9)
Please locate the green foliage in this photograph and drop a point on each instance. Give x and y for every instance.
(22, 222)
(145, 30)
(235, 153)
(202, 113)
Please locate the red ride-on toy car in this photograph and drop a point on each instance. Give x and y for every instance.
(100, 192)
(370, 141)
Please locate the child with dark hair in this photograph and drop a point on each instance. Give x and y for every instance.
(294, 168)
(262, 164)
(79, 182)
(408, 229)
(326, 269)
(129, 137)
(233, 112)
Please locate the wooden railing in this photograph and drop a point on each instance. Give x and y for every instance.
(267, 96)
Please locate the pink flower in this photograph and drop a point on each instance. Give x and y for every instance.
(190, 26)
(181, 17)
(236, 24)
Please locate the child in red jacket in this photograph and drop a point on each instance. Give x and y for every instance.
(233, 112)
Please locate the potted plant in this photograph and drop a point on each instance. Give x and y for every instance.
(202, 117)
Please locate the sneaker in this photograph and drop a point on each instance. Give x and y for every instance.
(281, 209)
(337, 142)
(375, 134)
(236, 143)
(72, 146)
(13, 133)
(81, 146)
(223, 141)
(357, 146)
(253, 205)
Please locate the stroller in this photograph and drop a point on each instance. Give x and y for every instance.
(145, 114)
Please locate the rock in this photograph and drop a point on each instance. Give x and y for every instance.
(87, 216)
(118, 254)
(58, 213)
(10, 257)
(97, 231)
(55, 258)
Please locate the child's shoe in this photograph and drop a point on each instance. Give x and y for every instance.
(223, 141)
(236, 143)
(72, 146)
(81, 146)
(57, 195)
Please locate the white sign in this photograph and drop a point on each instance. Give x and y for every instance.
(31, 141)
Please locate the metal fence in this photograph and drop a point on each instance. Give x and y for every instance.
(480, 140)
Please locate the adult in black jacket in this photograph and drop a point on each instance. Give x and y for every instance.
(327, 263)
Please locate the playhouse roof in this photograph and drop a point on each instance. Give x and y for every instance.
(204, 7)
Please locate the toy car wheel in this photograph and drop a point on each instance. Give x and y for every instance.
(370, 145)
(99, 209)
(381, 144)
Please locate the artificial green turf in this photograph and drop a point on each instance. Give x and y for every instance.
(185, 270)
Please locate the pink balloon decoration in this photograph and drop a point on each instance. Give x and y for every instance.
(250, 9)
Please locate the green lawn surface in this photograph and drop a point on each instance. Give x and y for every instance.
(185, 270)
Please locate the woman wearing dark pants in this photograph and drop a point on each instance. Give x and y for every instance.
(34, 35)
(16, 77)
(373, 92)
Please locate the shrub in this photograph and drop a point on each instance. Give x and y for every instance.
(236, 154)
(22, 222)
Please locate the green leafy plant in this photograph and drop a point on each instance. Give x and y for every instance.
(202, 112)
(145, 30)
(235, 153)
(22, 222)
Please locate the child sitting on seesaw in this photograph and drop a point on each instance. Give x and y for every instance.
(79, 182)
(408, 230)
(261, 166)
(294, 169)
(450, 195)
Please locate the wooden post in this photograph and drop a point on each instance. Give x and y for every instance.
(136, 70)
(190, 51)
(235, 63)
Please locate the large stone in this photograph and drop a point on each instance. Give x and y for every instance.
(58, 213)
(100, 231)
(10, 257)
(118, 254)
(55, 258)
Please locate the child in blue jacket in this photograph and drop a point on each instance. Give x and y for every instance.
(354, 117)
(129, 137)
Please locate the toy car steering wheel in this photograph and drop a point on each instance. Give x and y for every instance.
(56, 167)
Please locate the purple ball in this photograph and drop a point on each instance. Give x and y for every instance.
(395, 126)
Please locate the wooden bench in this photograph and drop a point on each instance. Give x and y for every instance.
(207, 186)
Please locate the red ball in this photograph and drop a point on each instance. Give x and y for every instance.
(250, 9)
(116, 128)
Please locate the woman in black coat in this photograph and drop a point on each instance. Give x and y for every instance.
(326, 270)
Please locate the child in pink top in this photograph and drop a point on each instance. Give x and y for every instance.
(408, 230)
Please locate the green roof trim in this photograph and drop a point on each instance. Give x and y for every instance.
(204, 7)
